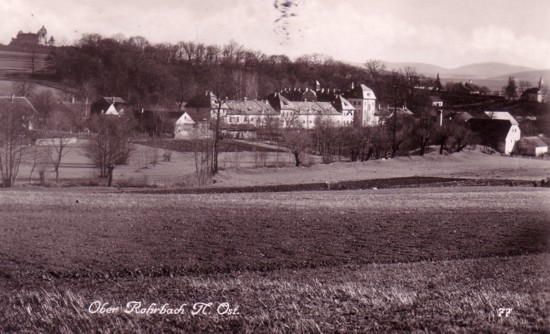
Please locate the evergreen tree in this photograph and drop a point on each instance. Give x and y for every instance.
(438, 86)
(511, 89)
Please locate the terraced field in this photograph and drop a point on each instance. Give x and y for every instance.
(13, 63)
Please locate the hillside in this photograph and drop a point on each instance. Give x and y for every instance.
(531, 76)
(20, 63)
(495, 71)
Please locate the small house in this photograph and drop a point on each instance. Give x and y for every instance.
(531, 146)
(115, 106)
(193, 124)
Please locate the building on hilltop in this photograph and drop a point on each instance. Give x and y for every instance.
(30, 39)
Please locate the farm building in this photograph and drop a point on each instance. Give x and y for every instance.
(496, 129)
(532, 146)
(109, 106)
(193, 124)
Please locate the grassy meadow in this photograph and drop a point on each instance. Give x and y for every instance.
(420, 259)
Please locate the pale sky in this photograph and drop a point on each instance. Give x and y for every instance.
(438, 32)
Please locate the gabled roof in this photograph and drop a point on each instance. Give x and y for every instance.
(503, 115)
(342, 104)
(360, 92)
(278, 101)
(20, 102)
(113, 99)
(314, 108)
(249, 107)
(533, 90)
(531, 142)
(388, 112)
(198, 116)
(495, 128)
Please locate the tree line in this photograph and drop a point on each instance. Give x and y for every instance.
(170, 74)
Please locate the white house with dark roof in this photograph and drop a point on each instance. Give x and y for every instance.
(497, 129)
(362, 98)
(193, 124)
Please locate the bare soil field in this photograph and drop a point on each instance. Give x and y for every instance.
(352, 260)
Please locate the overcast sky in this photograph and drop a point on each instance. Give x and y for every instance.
(439, 32)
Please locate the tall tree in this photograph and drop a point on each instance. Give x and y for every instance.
(510, 90)
(14, 137)
(57, 128)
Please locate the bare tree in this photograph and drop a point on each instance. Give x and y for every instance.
(297, 139)
(223, 88)
(14, 136)
(40, 160)
(202, 150)
(57, 127)
(23, 88)
(111, 144)
(375, 68)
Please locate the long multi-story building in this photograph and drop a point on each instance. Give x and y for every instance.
(290, 107)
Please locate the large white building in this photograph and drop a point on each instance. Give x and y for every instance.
(288, 107)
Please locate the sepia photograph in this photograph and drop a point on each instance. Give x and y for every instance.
(274, 166)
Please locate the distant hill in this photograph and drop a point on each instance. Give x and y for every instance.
(487, 70)
(423, 68)
(473, 71)
(531, 76)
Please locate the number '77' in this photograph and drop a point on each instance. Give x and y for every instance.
(504, 312)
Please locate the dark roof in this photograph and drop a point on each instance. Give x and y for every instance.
(111, 99)
(341, 104)
(198, 115)
(494, 128)
(531, 142)
(533, 90)
(278, 101)
(360, 92)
